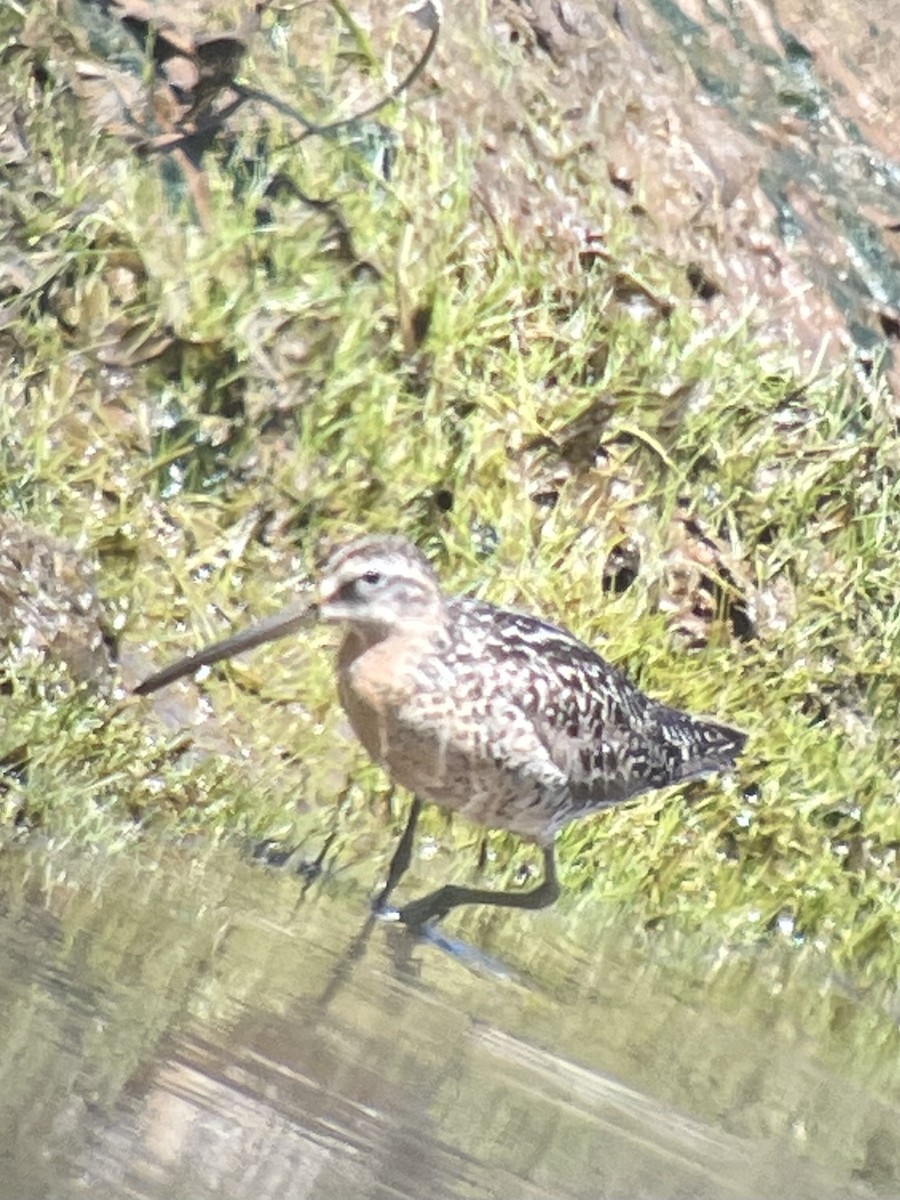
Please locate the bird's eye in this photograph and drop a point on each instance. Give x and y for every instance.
(372, 578)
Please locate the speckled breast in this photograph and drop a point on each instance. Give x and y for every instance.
(416, 718)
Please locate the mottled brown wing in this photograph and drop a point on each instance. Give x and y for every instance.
(608, 738)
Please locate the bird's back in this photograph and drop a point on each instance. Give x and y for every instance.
(610, 739)
(517, 724)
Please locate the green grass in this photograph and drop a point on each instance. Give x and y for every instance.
(197, 409)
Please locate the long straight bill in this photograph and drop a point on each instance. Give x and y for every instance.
(289, 620)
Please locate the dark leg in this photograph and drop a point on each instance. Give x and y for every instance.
(402, 855)
(439, 903)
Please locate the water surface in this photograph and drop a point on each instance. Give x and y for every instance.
(186, 1025)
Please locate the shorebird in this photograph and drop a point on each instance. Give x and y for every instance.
(495, 714)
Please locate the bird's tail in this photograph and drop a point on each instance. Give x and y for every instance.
(701, 745)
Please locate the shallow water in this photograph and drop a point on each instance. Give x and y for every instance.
(188, 1026)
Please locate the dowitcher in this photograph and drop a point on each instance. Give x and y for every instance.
(495, 714)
